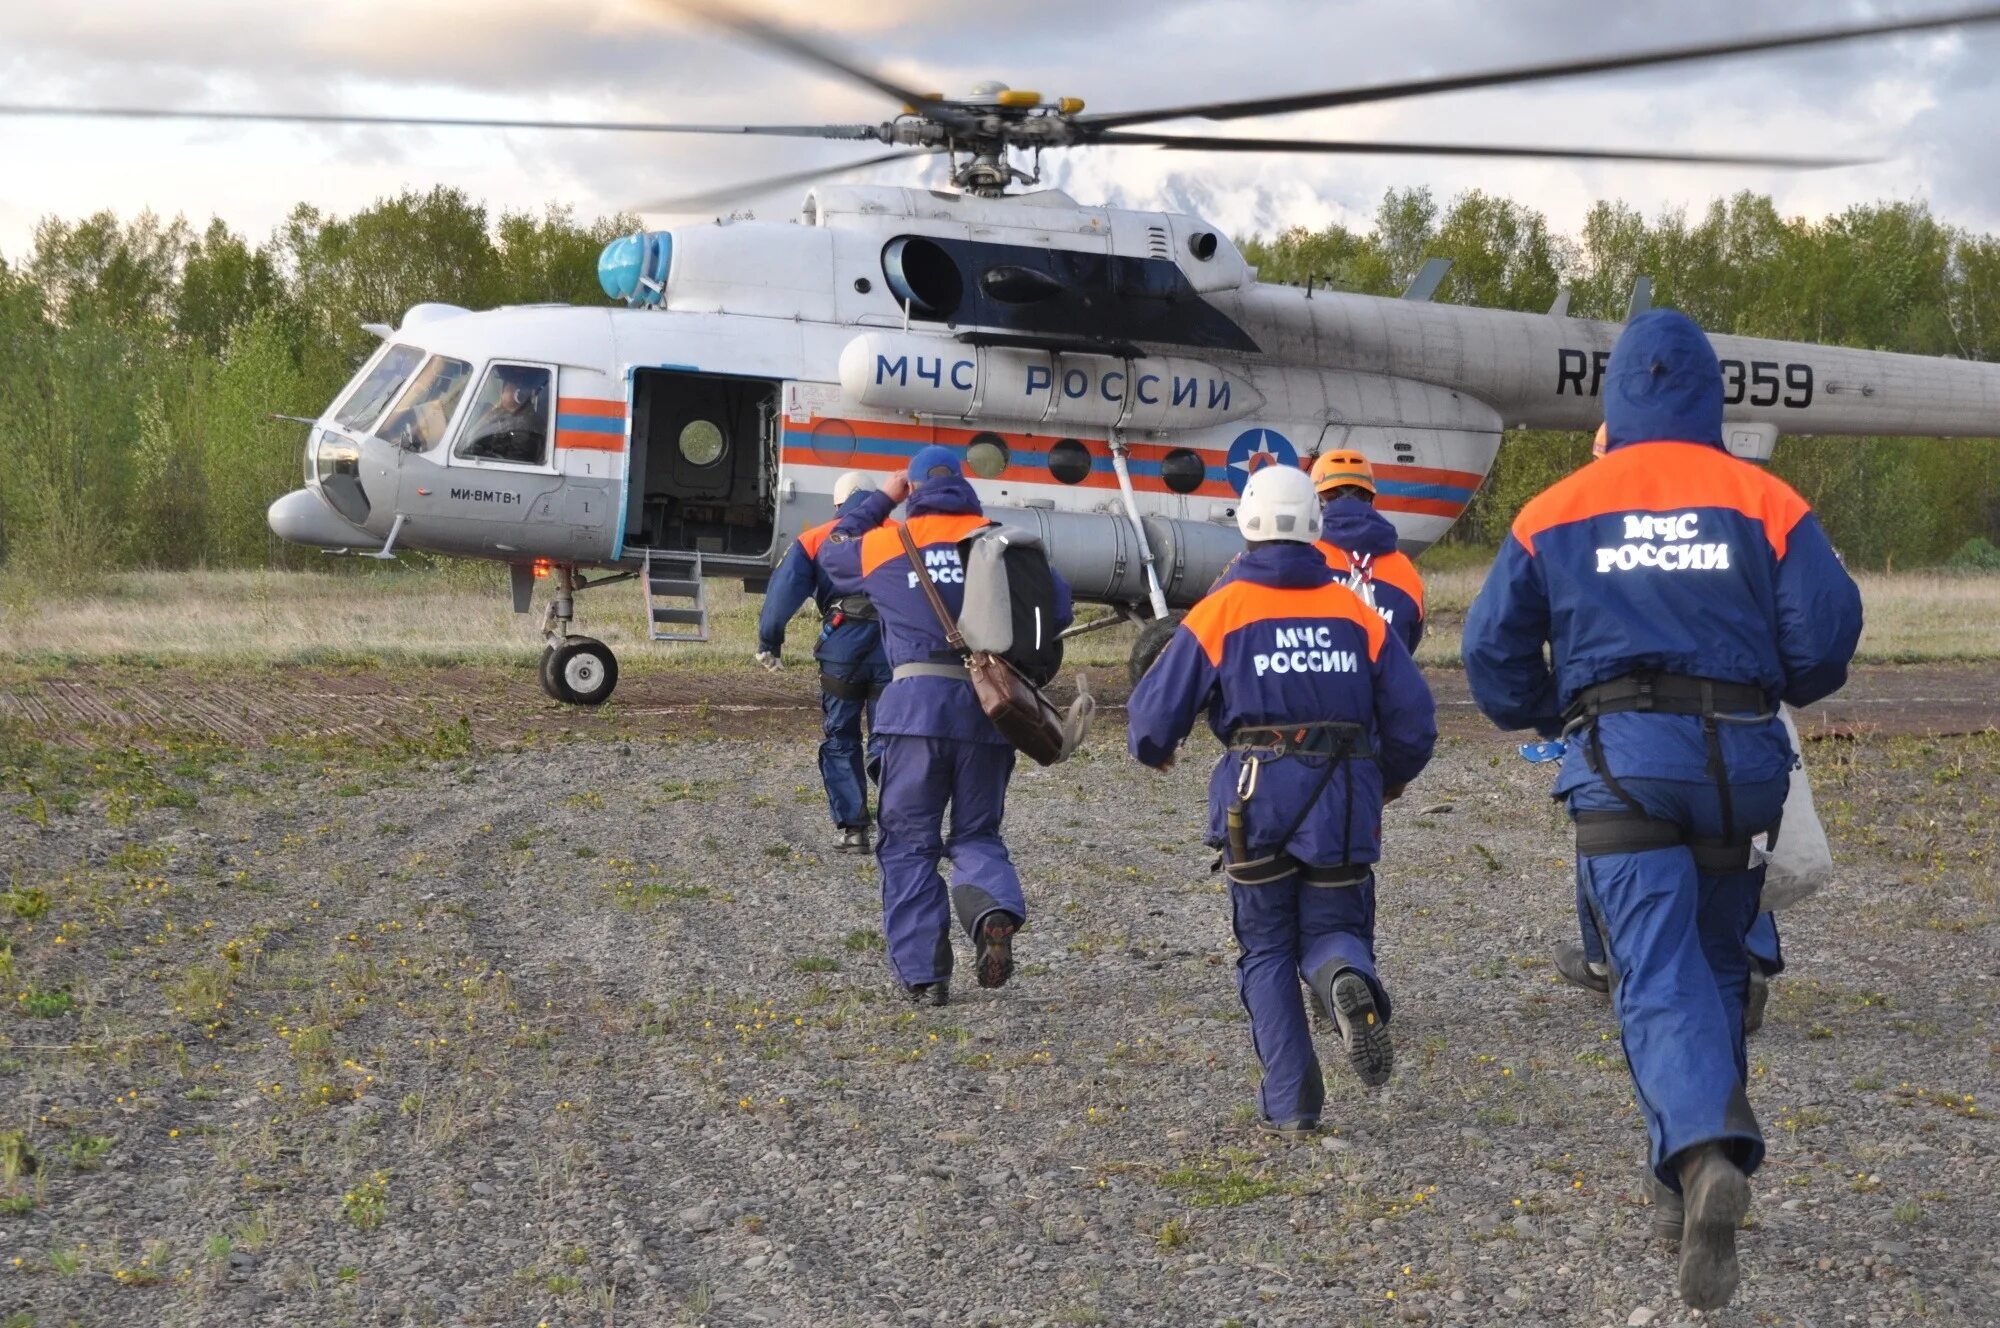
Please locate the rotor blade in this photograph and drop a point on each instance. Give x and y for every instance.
(433, 121)
(1212, 143)
(803, 48)
(1312, 101)
(730, 193)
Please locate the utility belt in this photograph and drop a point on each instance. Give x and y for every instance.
(1667, 694)
(849, 689)
(941, 664)
(1633, 830)
(1601, 833)
(851, 608)
(1277, 866)
(1330, 740)
(1335, 742)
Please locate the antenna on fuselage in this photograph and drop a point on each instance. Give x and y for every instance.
(1425, 284)
(1642, 298)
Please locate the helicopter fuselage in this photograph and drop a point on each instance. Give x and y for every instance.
(1113, 378)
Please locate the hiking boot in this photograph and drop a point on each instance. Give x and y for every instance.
(1352, 1004)
(1295, 1129)
(929, 993)
(1576, 970)
(1668, 1214)
(996, 948)
(1755, 997)
(1716, 1197)
(854, 839)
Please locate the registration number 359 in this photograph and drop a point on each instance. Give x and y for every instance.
(1759, 383)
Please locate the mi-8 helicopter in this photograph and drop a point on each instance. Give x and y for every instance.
(1113, 376)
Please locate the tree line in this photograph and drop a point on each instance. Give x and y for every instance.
(143, 358)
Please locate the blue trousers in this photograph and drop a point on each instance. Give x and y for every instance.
(1761, 940)
(921, 779)
(1679, 967)
(845, 764)
(1289, 931)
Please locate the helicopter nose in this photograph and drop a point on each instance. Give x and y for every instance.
(303, 517)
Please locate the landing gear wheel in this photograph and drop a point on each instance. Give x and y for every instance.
(547, 674)
(1153, 638)
(584, 671)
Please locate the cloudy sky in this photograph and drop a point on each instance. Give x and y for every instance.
(1927, 105)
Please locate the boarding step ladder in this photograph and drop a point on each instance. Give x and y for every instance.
(676, 596)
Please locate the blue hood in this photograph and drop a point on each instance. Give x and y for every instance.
(1282, 565)
(1662, 383)
(1354, 525)
(947, 495)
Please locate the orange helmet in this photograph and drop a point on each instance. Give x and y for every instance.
(1340, 470)
(1602, 442)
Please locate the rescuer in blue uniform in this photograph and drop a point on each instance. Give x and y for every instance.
(1321, 712)
(853, 669)
(1360, 545)
(1682, 595)
(1582, 963)
(939, 750)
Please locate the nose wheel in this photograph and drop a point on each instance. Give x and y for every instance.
(579, 671)
(576, 670)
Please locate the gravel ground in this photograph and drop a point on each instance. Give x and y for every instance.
(587, 1031)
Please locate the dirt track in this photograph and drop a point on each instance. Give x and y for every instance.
(250, 709)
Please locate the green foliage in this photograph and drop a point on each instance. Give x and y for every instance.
(1976, 554)
(46, 1004)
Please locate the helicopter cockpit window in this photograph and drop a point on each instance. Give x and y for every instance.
(377, 385)
(423, 412)
(509, 420)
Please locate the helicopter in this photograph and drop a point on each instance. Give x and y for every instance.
(1112, 377)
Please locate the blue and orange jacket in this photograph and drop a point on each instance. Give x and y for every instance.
(1355, 535)
(1280, 642)
(854, 641)
(1668, 555)
(864, 553)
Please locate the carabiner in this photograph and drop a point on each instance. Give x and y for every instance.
(1246, 778)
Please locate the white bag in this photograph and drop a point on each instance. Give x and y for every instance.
(1801, 861)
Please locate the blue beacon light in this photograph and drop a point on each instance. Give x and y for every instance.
(634, 267)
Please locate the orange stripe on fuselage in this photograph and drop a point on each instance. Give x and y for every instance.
(1392, 568)
(598, 406)
(883, 544)
(1242, 603)
(1665, 477)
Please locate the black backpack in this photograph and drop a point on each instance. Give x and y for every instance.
(1010, 601)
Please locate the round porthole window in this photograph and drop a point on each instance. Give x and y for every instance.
(833, 442)
(986, 455)
(1069, 461)
(1183, 470)
(702, 442)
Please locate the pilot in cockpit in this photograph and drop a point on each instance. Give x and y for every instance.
(511, 422)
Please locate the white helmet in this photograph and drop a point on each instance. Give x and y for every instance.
(1279, 504)
(851, 483)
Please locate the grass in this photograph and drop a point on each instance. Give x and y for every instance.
(461, 614)
(458, 614)
(1912, 617)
